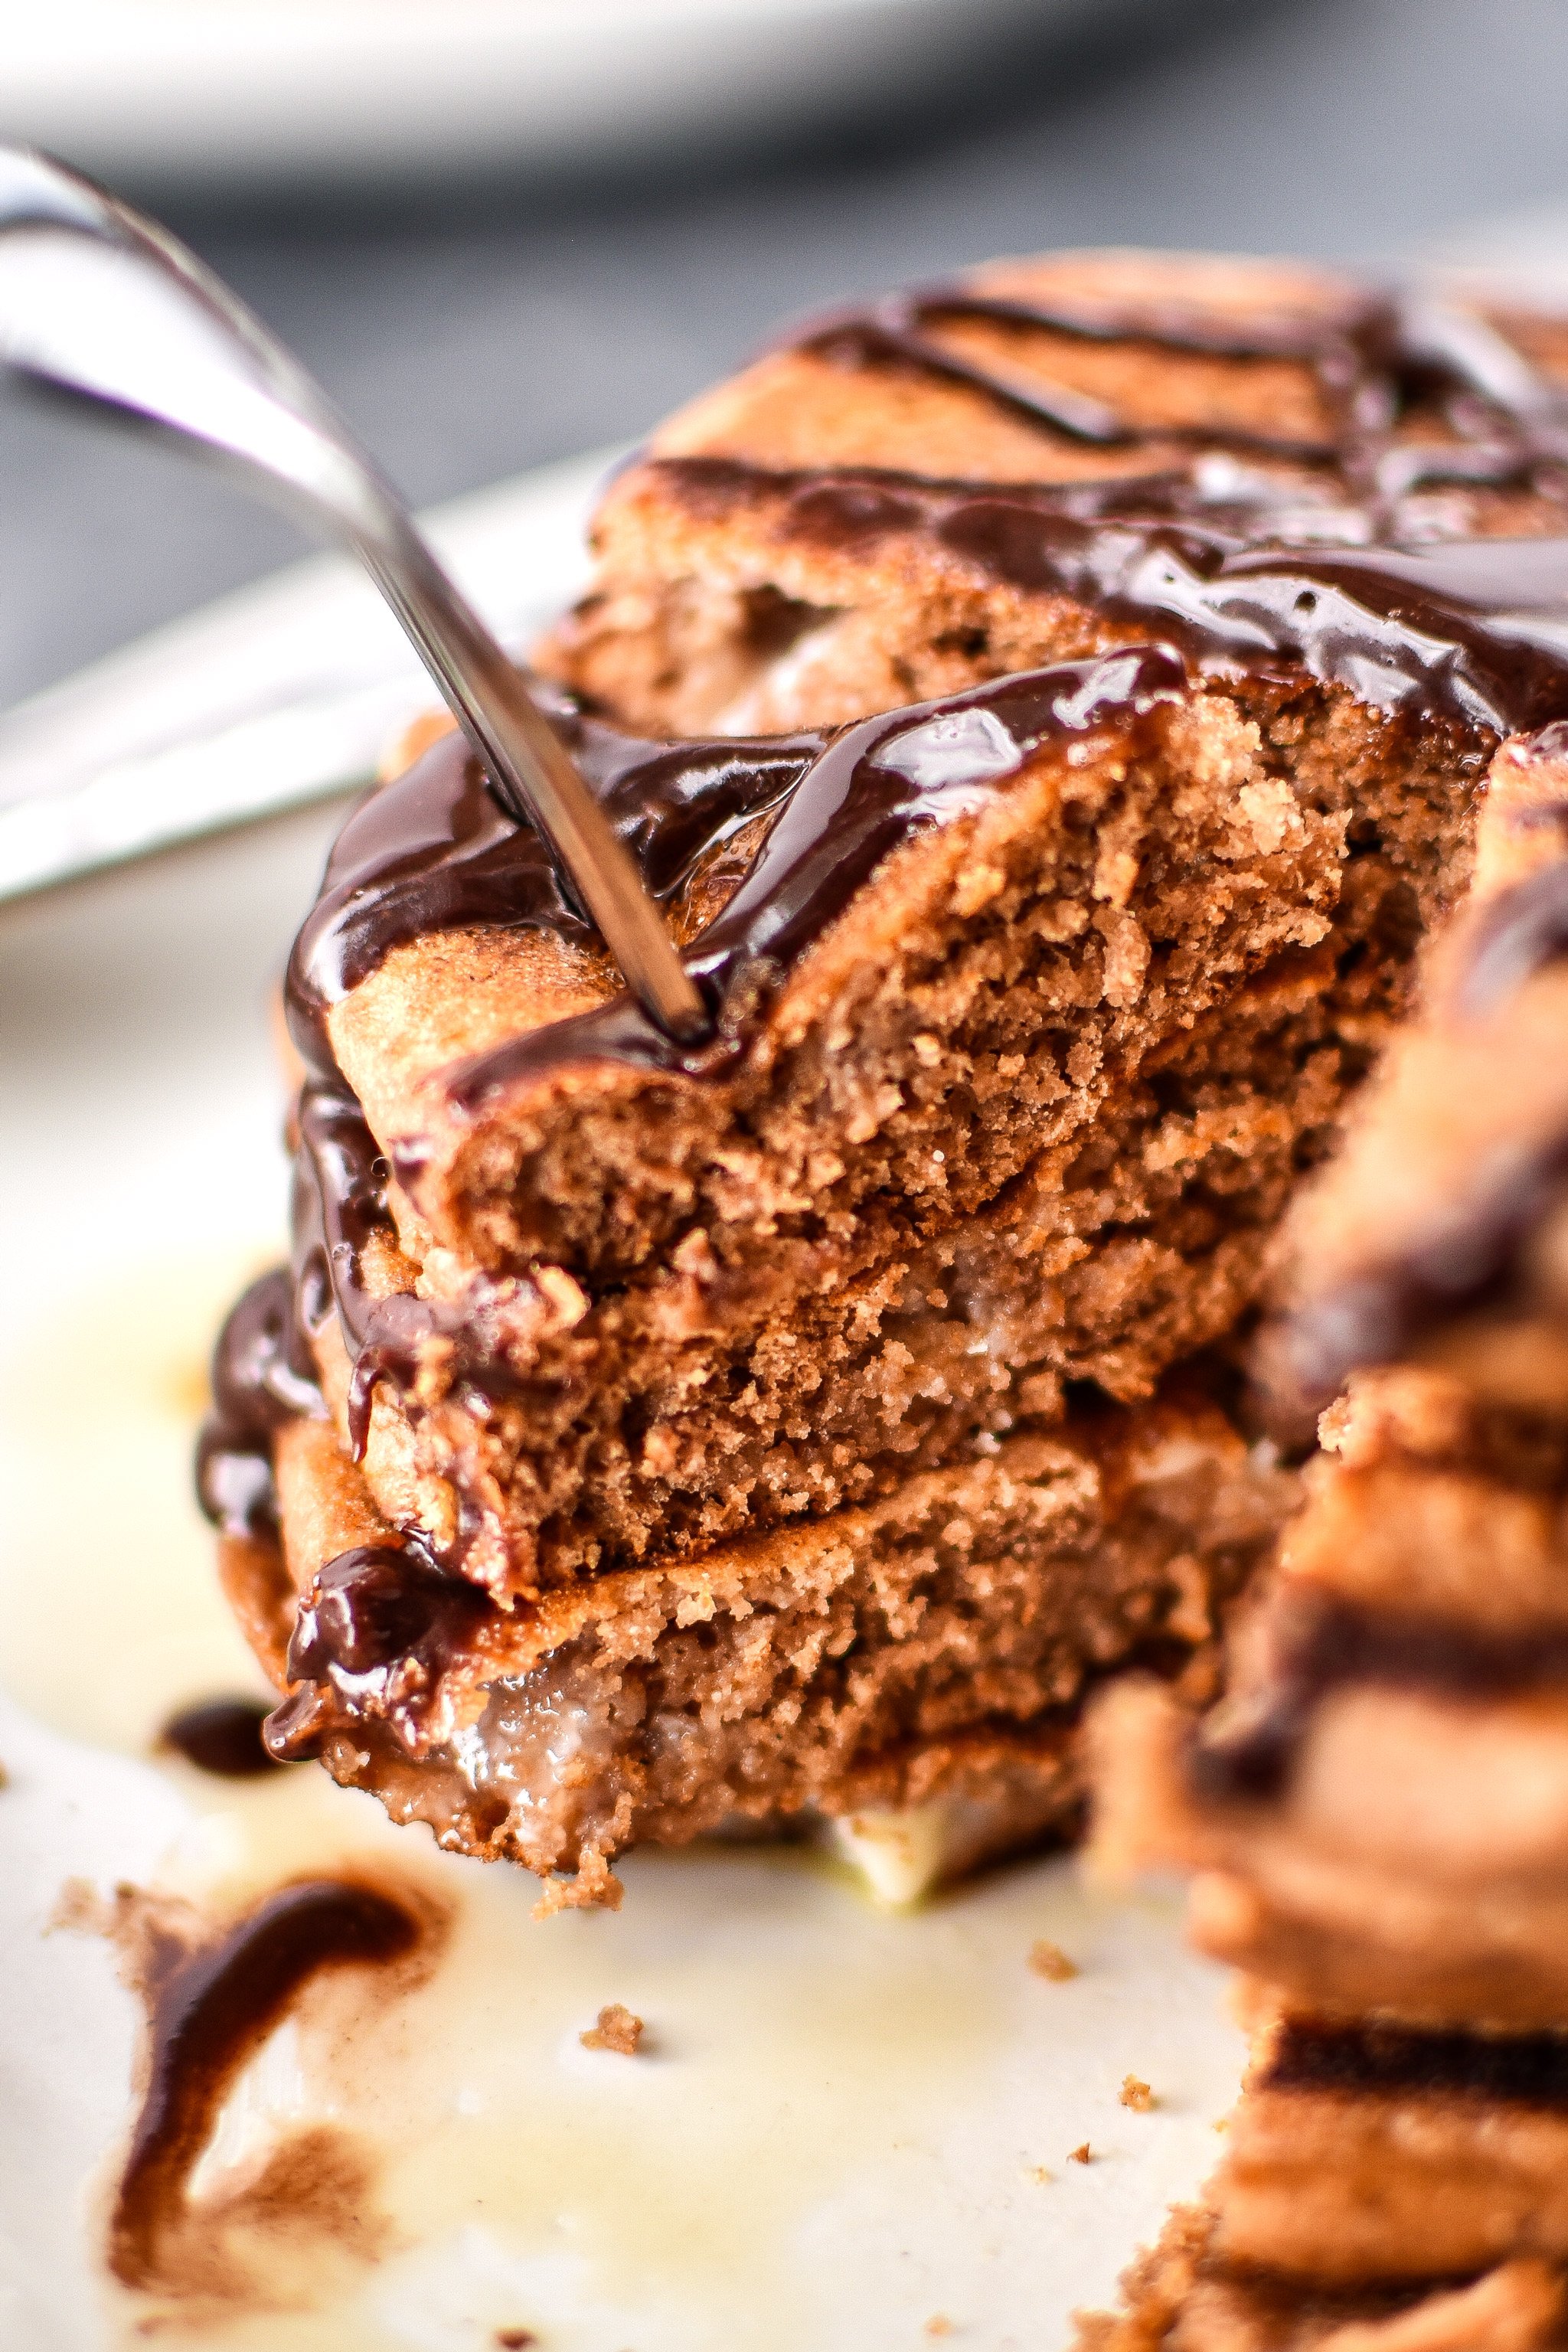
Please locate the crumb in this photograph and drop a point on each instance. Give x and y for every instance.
(1042, 2173)
(1050, 1961)
(939, 2325)
(514, 2339)
(1080, 2155)
(616, 2030)
(1223, 2124)
(1135, 2094)
(592, 1887)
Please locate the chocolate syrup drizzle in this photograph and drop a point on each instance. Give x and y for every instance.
(1251, 556)
(1246, 1752)
(1373, 2056)
(210, 2009)
(1375, 356)
(262, 1376)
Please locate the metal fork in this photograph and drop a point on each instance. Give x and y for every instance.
(97, 300)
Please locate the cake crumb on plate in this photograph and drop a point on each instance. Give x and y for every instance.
(1049, 1961)
(617, 2029)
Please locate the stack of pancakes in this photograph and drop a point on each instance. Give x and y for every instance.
(1052, 710)
(1377, 1814)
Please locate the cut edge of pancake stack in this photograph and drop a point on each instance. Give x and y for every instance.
(1377, 1813)
(640, 1443)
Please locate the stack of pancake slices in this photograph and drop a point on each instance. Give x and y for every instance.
(1053, 710)
(1377, 1811)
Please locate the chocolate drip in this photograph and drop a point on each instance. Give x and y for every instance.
(1365, 2058)
(262, 1377)
(433, 851)
(340, 1206)
(375, 1631)
(221, 1736)
(1249, 1750)
(211, 2010)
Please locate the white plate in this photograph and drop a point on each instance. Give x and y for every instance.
(237, 90)
(840, 2131)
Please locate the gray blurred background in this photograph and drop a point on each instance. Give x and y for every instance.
(471, 331)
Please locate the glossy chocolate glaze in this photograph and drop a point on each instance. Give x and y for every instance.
(433, 850)
(222, 1735)
(1474, 631)
(1372, 2059)
(262, 1376)
(373, 1636)
(1247, 1752)
(210, 2011)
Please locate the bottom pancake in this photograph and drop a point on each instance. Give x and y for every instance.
(925, 1656)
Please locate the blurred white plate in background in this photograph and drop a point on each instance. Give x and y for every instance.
(149, 90)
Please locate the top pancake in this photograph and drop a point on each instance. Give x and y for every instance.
(788, 554)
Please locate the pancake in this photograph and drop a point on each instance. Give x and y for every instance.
(927, 1655)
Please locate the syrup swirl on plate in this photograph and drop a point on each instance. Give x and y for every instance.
(210, 2009)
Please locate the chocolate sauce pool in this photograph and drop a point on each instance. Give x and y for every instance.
(1241, 554)
(209, 2011)
(221, 1736)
